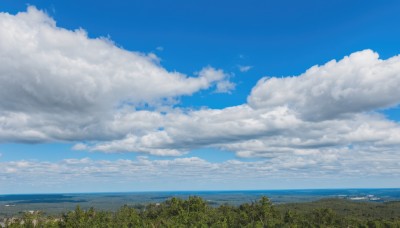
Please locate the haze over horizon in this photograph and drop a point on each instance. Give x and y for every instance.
(203, 95)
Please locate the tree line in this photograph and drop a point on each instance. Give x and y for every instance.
(196, 212)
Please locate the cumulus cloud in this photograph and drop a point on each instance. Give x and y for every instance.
(59, 85)
(252, 133)
(184, 131)
(47, 68)
(275, 123)
(358, 83)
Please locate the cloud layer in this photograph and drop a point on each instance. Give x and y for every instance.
(60, 85)
(325, 170)
(330, 107)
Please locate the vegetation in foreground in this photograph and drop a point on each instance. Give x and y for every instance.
(196, 212)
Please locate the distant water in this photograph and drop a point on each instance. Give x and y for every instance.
(57, 203)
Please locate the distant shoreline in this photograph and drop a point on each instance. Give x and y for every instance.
(196, 191)
(55, 203)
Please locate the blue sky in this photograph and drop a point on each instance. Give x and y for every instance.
(198, 95)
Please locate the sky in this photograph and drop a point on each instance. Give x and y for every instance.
(123, 96)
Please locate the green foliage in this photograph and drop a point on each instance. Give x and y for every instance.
(195, 212)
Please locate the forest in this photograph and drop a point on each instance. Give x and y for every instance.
(197, 212)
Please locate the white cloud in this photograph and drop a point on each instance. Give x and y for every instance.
(273, 127)
(80, 146)
(184, 131)
(244, 68)
(144, 173)
(225, 87)
(358, 83)
(47, 68)
(59, 85)
(255, 133)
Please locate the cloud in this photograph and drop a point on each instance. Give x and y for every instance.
(47, 68)
(225, 87)
(144, 174)
(58, 85)
(160, 48)
(244, 68)
(80, 146)
(358, 83)
(274, 123)
(251, 133)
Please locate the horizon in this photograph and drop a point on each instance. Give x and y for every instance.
(200, 191)
(151, 96)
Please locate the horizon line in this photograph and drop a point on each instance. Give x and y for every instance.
(177, 191)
